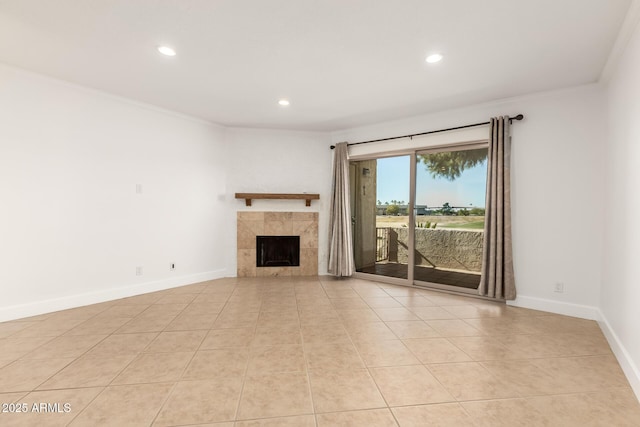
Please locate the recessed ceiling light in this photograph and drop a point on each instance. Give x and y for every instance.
(166, 50)
(432, 59)
(283, 102)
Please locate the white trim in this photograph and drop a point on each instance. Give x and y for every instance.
(627, 29)
(557, 307)
(455, 146)
(629, 368)
(72, 301)
(407, 145)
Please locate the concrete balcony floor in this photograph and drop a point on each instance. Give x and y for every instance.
(469, 280)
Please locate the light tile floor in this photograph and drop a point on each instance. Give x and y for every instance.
(309, 352)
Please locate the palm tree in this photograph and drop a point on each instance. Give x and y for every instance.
(451, 164)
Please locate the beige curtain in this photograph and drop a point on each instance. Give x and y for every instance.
(497, 280)
(340, 243)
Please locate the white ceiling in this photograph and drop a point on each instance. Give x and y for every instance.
(342, 63)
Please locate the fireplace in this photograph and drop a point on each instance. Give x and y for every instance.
(303, 225)
(277, 251)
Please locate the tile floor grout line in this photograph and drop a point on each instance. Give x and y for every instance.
(141, 352)
(87, 405)
(236, 413)
(368, 371)
(306, 370)
(67, 365)
(184, 370)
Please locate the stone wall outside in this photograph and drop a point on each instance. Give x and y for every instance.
(442, 248)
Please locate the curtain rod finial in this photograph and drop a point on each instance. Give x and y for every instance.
(332, 147)
(518, 117)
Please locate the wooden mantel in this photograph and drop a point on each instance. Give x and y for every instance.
(281, 196)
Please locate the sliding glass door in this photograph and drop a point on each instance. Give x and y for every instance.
(380, 215)
(449, 215)
(419, 218)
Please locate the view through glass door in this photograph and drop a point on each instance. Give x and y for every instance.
(444, 245)
(380, 214)
(449, 216)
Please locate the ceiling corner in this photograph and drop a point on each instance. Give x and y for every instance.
(628, 27)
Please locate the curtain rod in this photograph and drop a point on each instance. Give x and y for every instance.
(511, 119)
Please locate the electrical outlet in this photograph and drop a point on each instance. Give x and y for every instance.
(139, 271)
(558, 287)
(172, 266)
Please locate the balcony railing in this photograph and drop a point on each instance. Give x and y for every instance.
(382, 244)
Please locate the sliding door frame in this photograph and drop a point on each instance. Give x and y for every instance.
(413, 153)
(411, 241)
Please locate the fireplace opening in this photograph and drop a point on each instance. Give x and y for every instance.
(277, 251)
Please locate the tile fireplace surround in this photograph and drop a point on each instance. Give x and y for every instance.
(252, 224)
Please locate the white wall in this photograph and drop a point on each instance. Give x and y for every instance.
(557, 190)
(72, 228)
(277, 161)
(621, 283)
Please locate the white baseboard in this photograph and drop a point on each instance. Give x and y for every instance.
(627, 364)
(71, 301)
(557, 307)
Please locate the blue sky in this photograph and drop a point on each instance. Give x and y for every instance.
(393, 184)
